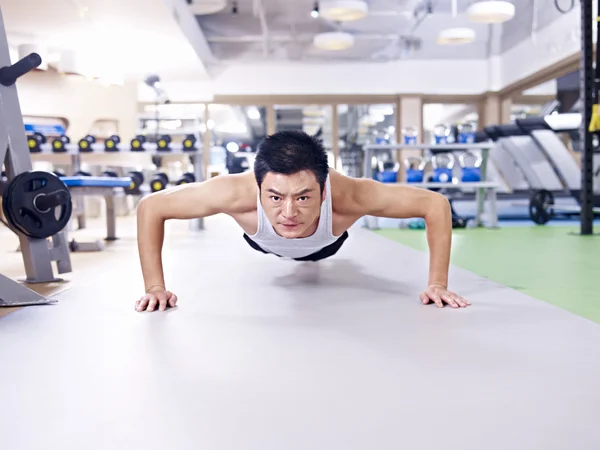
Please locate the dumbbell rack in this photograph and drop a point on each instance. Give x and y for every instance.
(482, 186)
(38, 255)
(147, 148)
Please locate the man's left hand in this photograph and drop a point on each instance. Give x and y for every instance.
(440, 295)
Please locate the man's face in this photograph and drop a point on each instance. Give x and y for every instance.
(292, 203)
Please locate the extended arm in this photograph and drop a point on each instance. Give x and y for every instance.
(194, 200)
(370, 197)
(401, 201)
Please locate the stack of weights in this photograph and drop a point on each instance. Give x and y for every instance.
(415, 169)
(388, 172)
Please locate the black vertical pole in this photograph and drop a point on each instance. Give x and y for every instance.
(587, 94)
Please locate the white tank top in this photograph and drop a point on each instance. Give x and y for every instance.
(270, 241)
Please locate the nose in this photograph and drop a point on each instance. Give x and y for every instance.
(289, 209)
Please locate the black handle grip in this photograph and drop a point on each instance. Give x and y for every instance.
(9, 74)
(49, 201)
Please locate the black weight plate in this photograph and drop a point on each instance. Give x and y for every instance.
(190, 176)
(163, 176)
(541, 206)
(21, 212)
(138, 177)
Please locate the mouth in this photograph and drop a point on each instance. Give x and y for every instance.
(289, 226)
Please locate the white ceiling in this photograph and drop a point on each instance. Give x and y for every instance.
(126, 38)
(392, 30)
(130, 38)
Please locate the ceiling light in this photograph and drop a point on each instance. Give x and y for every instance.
(206, 7)
(456, 36)
(315, 12)
(493, 11)
(343, 10)
(333, 41)
(253, 113)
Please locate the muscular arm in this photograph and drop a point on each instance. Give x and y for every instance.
(216, 195)
(373, 198)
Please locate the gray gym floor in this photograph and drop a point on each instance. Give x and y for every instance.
(267, 354)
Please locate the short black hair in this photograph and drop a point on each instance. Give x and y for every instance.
(291, 151)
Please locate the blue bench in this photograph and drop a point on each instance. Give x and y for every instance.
(104, 182)
(97, 186)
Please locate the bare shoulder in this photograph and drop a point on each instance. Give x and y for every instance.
(344, 192)
(242, 191)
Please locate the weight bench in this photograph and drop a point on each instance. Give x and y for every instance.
(107, 187)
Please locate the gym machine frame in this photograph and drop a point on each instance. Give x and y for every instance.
(481, 186)
(38, 255)
(589, 92)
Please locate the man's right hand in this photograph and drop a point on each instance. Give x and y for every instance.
(157, 298)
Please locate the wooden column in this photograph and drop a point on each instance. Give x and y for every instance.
(206, 142)
(400, 140)
(271, 120)
(505, 108)
(411, 115)
(335, 132)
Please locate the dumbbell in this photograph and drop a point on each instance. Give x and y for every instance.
(189, 142)
(187, 177)
(81, 173)
(59, 144)
(110, 173)
(163, 143)
(137, 179)
(112, 143)
(159, 182)
(34, 141)
(85, 144)
(137, 143)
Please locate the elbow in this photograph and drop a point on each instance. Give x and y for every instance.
(148, 208)
(439, 208)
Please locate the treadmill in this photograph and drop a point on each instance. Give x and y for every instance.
(520, 160)
(543, 130)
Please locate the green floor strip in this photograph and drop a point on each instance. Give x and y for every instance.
(547, 263)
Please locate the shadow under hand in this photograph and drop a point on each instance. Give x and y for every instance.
(344, 273)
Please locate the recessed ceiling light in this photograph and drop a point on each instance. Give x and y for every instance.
(492, 11)
(456, 36)
(333, 41)
(343, 10)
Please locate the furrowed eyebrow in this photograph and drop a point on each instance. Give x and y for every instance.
(302, 192)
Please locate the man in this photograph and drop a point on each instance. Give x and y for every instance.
(293, 205)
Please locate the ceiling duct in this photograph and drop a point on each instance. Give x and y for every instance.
(67, 64)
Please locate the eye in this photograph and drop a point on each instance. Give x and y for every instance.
(303, 198)
(275, 198)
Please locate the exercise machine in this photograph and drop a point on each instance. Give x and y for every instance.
(37, 205)
(544, 131)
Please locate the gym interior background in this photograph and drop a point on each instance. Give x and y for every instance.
(490, 103)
